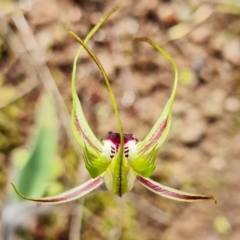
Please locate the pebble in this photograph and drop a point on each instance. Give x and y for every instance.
(74, 14)
(201, 34)
(218, 163)
(166, 14)
(232, 104)
(192, 132)
(218, 41)
(106, 60)
(212, 107)
(193, 128)
(40, 16)
(128, 98)
(44, 39)
(231, 51)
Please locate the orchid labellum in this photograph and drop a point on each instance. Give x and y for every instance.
(121, 159)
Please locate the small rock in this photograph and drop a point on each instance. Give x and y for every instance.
(44, 12)
(44, 39)
(193, 129)
(206, 74)
(144, 6)
(218, 163)
(212, 110)
(218, 42)
(232, 104)
(131, 26)
(167, 14)
(74, 14)
(212, 107)
(126, 26)
(192, 132)
(201, 34)
(106, 60)
(180, 107)
(25, 5)
(128, 98)
(231, 51)
(234, 148)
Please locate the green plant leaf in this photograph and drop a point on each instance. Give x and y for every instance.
(36, 172)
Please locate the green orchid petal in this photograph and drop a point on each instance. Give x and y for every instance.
(70, 195)
(171, 193)
(96, 164)
(159, 132)
(80, 127)
(145, 164)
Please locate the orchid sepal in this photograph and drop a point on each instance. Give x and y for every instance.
(80, 127)
(159, 132)
(95, 161)
(68, 196)
(171, 193)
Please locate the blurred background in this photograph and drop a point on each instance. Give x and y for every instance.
(39, 153)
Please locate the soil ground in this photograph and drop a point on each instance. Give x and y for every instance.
(202, 152)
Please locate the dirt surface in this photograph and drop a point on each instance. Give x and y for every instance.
(202, 152)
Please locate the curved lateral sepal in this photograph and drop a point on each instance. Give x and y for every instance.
(80, 127)
(104, 75)
(160, 130)
(70, 195)
(171, 193)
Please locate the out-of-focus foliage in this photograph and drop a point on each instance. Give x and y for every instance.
(222, 225)
(36, 171)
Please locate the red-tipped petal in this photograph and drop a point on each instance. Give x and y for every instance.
(70, 195)
(172, 193)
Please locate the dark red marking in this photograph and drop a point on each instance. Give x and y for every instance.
(79, 128)
(115, 138)
(155, 136)
(91, 186)
(169, 193)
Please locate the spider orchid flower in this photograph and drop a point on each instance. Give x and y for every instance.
(120, 159)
